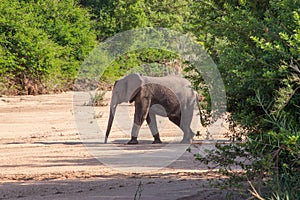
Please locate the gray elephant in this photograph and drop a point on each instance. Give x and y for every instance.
(169, 96)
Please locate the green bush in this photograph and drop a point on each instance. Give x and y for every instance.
(256, 47)
(151, 62)
(113, 17)
(42, 44)
(116, 16)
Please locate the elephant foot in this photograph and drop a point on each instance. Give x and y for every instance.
(156, 139)
(133, 141)
(186, 141)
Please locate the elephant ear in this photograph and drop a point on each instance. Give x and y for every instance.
(135, 94)
(116, 83)
(132, 84)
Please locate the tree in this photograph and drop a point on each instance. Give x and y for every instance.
(256, 47)
(42, 44)
(113, 17)
(116, 16)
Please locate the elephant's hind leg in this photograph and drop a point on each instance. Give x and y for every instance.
(186, 127)
(184, 124)
(175, 119)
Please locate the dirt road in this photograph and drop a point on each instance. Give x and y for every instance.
(43, 156)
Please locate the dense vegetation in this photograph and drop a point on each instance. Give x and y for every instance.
(255, 44)
(42, 44)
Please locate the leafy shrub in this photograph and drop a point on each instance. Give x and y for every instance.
(256, 47)
(151, 62)
(98, 99)
(42, 43)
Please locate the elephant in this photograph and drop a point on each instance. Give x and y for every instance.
(169, 96)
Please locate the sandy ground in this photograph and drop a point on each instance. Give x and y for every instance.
(44, 156)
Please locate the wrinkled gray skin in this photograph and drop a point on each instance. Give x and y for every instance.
(169, 96)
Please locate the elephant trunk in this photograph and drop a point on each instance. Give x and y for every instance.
(110, 120)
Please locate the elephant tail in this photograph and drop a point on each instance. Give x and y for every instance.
(200, 114)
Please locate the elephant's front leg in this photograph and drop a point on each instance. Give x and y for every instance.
(141, 112)
(151, 120)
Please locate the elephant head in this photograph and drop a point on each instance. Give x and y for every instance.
(124, 90)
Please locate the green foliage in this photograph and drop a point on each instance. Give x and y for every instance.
(256, 47)
(255, 44)
(42, 43)
(98, 99)
(148, 62)
(116, 16)
(250, 48)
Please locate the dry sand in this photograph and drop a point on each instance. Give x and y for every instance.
(42, 156)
